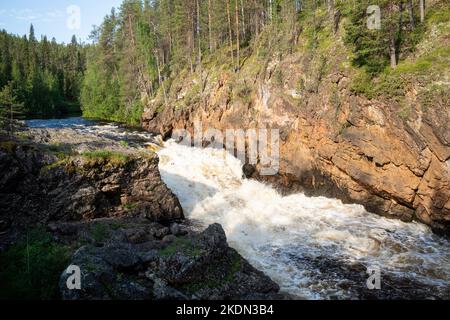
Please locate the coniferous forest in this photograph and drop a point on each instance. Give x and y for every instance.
(144, 44)
(42, 77)
(140, 46)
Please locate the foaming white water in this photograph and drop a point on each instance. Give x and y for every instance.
(287, 237)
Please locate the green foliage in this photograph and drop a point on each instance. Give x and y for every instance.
(193, 96)
(372, 48)
(388, 84)
(181, 244)
(234, 266)
(278, 77)
(439, 13)
(405, 112)
(52, 166)
(44, 76)
(131, 206)
(369, 46)
(31, 269)
(243, 92)
(124, 144)
(121, 68)
(10, 108)
(106, 156)
(8, 146)
(392, 83)
(436, 95)
(140, 51)
(100, 232)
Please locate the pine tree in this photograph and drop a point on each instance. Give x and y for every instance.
(10, 108)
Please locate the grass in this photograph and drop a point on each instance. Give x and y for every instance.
(431, 63)
(124, 144)
(52, 166)
(30, 270)
(8, 146)
(392, 83)
(22, 135)
(105, 156)
(131, 206)
(193, 96)
(243, 92)
(435, 94)
(61, 151)
(100, 232)
(181, 244)
(116, 225)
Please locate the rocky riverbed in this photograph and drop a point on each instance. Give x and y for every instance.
(105, 200)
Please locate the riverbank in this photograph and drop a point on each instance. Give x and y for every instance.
(98, 202)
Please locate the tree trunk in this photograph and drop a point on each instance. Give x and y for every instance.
(270, 10)
(11, 125)
(422, 10)
(238, 40)
(392, 38)
(412, 23)
(199, 46)
(230, 33)
(334, 16)
(330, 5)
(393, 53)
(161, 83)
(192, 42)
(210, 27)
(243, 19)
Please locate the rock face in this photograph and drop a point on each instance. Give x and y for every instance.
(39, 187)
(193, 266)
(332, 142)
(94, 189)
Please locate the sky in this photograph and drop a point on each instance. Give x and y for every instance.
(54, 18)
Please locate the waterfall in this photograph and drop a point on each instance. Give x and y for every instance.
(290, 238)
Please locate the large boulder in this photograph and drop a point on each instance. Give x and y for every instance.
(193, 266)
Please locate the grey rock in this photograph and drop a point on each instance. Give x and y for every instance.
(197, 266)
(120, 257)
(149, 256)
(169, 239)
(162, 232)
(248, 170)
(177, 230)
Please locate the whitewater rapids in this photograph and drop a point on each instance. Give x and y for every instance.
(307, 245)
(282, 235)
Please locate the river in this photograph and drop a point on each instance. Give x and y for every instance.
(313, 247)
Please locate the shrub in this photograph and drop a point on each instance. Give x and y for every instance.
(31, 269)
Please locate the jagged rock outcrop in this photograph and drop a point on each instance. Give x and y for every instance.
(192, 266)
(40, 185)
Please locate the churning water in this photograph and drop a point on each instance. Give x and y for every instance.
(289, 238)
(309, 246)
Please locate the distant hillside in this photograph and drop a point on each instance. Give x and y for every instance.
(40, 78)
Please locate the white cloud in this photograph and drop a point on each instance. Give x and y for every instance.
(33, 15)
(55, 14)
